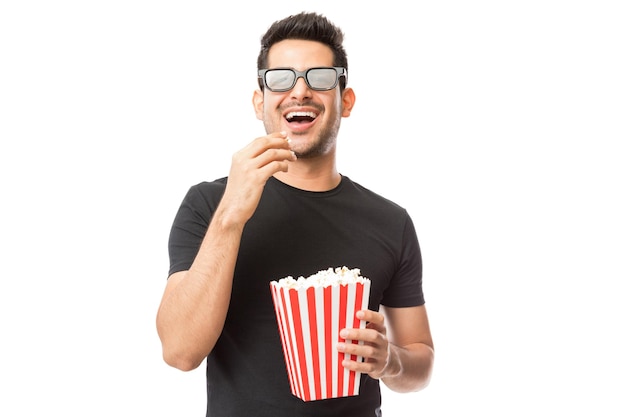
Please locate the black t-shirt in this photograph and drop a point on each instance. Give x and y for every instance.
(297, 233)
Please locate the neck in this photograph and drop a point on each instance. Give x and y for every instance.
(311, 175)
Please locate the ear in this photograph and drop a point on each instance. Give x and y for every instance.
(347, 102)
(257, 102)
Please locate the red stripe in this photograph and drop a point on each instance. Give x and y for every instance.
(297, 321)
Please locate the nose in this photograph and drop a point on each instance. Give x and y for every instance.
(301, 89)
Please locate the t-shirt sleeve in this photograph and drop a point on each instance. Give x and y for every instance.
(406, 285)
(189, 227)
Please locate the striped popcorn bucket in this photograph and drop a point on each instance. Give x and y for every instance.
(309, 321)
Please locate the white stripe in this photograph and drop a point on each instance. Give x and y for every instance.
(350, 304)
(334, 336)
(319, 303)
(306, 340)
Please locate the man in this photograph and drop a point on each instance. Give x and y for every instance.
(284, 209)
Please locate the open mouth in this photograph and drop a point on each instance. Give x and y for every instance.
(300, 117)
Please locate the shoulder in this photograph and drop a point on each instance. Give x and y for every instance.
(365, 195)
(207, 190)
(210, 186)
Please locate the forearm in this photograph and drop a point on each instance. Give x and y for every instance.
(192, 314)
(409, 368)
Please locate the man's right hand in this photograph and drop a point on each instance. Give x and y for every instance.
(250, 169)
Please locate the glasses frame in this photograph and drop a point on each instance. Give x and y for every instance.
(340, 71)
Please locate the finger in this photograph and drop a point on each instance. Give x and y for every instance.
(355, 349)
(370, 336)
(274, 155)
(370, 316)
(278, 140)
(272, 168)
(375, 321)
(368, 365)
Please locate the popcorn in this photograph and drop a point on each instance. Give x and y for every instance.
(310, 312)
(338, 276)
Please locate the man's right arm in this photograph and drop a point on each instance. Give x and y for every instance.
(193, 309)
(195, 302)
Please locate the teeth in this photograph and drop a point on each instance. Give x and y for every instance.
(293, 114)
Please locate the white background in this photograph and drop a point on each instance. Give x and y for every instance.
(499, 125)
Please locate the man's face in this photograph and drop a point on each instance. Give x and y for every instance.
(311, 118)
